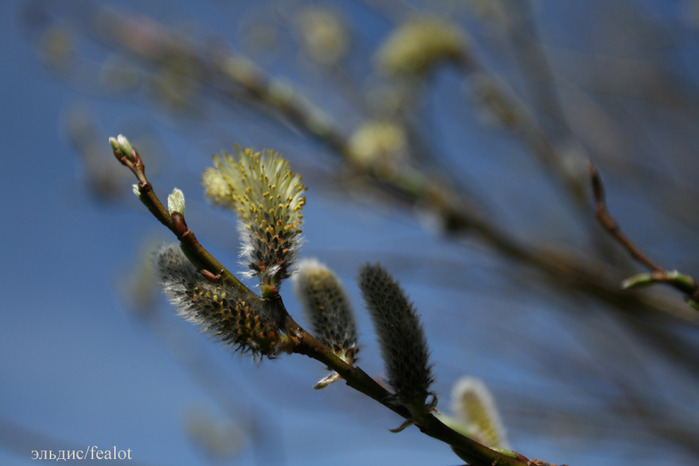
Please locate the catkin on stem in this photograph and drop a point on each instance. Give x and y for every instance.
(220, 310)
(268, 198)
(400, 333)
(327, 307)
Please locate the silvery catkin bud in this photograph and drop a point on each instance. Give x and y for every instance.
(268, 198)
(401, 336)
(327, 307)
(218, 309)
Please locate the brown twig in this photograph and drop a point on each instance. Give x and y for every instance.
(683, 283)
(609, 224)
(195, 252)
(474, 452)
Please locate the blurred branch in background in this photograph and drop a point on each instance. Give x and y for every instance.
(603, 91)
(229, 73)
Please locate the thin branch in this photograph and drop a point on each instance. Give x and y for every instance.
(609, 224)
(684, 283)
(195, 252)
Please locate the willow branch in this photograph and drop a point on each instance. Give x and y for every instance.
(300, 341)
(475, 453)
(175, 222)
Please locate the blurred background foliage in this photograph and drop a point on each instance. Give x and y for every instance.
(448, 140)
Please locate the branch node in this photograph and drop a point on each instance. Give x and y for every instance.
(210, 276)
(179, 225)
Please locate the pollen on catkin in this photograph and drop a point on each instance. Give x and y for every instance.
(268, 198)
(218, 309)
(327, 307)
(400, 333)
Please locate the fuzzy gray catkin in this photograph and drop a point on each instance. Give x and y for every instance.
(218, 309)
(327, 307)
(400, 333)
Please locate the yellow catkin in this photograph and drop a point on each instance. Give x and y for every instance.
(252, 183)
(419, 44)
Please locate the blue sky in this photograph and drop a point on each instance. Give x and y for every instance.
(79, 369)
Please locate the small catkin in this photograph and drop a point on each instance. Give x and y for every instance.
(218, 309)
(476, 408)
(327, 307)
(400, 333)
